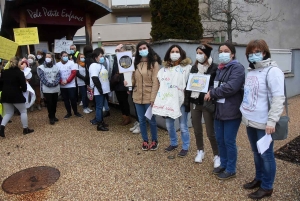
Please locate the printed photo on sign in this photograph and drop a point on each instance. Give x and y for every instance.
(198, 83)
(125, 62)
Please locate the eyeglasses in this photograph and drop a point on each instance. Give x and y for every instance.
(257, 53)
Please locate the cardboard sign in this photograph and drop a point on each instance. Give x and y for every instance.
(26, 36)
(8, 48)
(62, 45)
(198, 82)
(125, 62)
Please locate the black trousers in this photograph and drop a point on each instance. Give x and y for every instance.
(122, 97)
(69, 96)
(51, 104)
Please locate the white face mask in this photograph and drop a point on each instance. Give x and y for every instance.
(200, 58)
(174, 56)
(30, 61)
(48, 60)
(39, 56)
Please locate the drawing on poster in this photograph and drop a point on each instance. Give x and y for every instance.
(198, 83)
(125, 62)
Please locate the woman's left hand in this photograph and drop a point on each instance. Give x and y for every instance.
(270, 129)
(151, 104)
(207, 96)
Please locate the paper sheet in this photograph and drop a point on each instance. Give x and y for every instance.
(128, 78)
(263, 143)
(148, 113)
(198, 82)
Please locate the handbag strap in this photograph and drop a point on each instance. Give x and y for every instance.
(285, 101)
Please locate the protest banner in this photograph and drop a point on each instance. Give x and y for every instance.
(8, 48)
(26, 36)
(62, 45)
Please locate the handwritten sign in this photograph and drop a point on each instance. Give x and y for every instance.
(198, 82)
(26, 36)
(8, 48)
(125, 62)
(62, 45)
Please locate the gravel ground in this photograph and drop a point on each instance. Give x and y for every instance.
(110, 165)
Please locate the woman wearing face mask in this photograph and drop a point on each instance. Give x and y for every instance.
(170, 97)
(35, 82)
(228, 94)
(40, 56)
(121, 90)
(68, 72)
(145, 87)
(203, 66)
(13, 85)
(264, 80)
(81, 77)
(50, 78)
(100, 84)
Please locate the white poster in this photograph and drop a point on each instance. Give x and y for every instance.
(62, 45)
(198, 82)
(125, 62)
(42, 46)
(128, 78)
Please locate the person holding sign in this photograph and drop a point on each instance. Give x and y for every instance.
(13, 86)
(228, 92)
(68, 72)
(50, 78)
(145, 87)
(35, 82)
(170, 96)
(99, 82)
(203, 66)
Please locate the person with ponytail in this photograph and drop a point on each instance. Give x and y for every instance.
(50, 78)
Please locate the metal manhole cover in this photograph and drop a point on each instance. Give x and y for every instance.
(30, 180)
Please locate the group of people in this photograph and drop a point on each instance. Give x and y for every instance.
(256, 100)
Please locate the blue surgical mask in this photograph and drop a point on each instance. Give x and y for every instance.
(71, 51)
(82, 59)
(65, 58)
(256, 57)
(101, 61)
(143, 53)
(224, 57)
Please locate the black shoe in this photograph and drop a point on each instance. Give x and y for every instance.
(145, 146)
(153, 146)
(52, 121)
(218, 170)
(225, 175)
(67, 116)
(253, 184)
(104, 124)
(27, 131)
(260, 193)
(9, 121)
(100, 127)
(56, 119)
(2, 128)
(78, 115)
(106, 114)
(182, 153)
(94, 122)
(171, 148)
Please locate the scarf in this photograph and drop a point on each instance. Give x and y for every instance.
(82, 64)
(202, 69)
(221, 66)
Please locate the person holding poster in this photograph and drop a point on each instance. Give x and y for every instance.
(13, 84)
(35, 82)
(50, 78)
(68, 71)
(145, 87)
(170, 96)
(99, 82)
(203, 66)
(228, 92)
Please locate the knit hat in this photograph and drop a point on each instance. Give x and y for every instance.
(119, 47)
(206, 49)
(31, 55)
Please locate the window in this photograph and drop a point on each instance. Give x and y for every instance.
(129, 19)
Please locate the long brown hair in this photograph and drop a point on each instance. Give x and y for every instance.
(260, 44)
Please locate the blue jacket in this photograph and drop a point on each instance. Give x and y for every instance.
(233, 79)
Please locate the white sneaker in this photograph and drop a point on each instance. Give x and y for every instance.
(136, 130)
(200, 156)
(80, 103)
(217, 161)
(90, 110)
(86, 111)
(134, 126)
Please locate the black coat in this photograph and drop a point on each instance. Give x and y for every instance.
(13, 85)
(120, 85)
(35, 80)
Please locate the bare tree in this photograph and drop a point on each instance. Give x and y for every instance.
(235, 15)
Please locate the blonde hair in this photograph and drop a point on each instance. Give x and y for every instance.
(14, 62)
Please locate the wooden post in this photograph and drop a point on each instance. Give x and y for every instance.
(88, 29)
(23, 24)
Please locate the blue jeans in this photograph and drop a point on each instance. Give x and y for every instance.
(99, 100)
(265, 165)
(226, 132)
(106, 107)
(84, 99)
(141, 110)
(185, 134)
